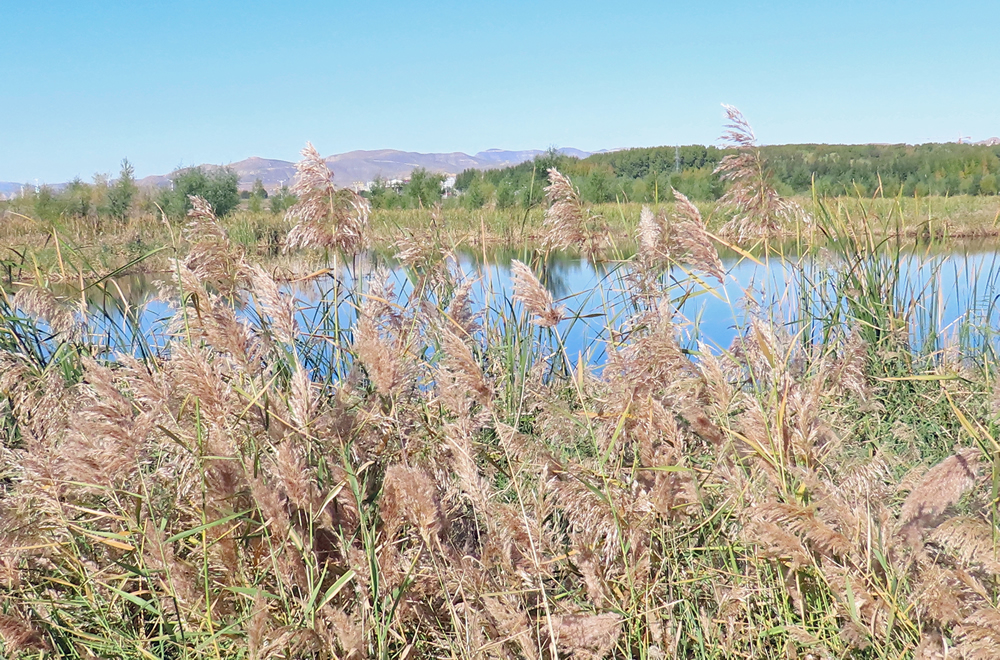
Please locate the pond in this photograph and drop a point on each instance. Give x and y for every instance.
(945, 293)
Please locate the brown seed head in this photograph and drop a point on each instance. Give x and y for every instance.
(535, 297)
(565, 217)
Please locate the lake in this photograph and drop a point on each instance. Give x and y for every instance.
(945, 293)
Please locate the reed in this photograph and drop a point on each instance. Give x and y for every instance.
(403, 469)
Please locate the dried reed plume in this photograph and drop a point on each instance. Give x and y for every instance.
(757, 207)
(40, 303)
(19, 635)
(940, 488)
(278, 306)
(693, 244)
(460, 311)
(535, 297)
(653, 239)
(464, 368)
(212, 259)
(325, 216)
(587, 637)
(410, 496)
(565, 219)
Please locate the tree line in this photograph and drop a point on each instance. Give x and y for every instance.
(118, 199)
(643, 175)
(647, 174)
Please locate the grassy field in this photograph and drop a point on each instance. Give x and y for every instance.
(144, 243)
(437, 476)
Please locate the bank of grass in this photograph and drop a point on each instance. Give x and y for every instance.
(145, 241)
(432, 475)
(942, 217)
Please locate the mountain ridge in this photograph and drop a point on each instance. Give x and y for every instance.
(362, 166)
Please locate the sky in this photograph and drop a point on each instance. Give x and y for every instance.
(169, 84)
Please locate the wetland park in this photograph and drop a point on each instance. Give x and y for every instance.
(663, 403)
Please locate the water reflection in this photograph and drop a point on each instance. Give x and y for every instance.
(942, 289)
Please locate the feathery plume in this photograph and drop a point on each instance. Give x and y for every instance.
(565, 218)
(938, 595)
(212, 258)
(535, 297)
(409, 494)
(178, 581)
(652, 238)
(979, 635)
(587, 636)
(942, 486)
(692, 239)
(296, 478)
(42, 304)
(326, 217)
(931, 647)
(464, 368)
(280, 307)
(460, 309)
(19, 635)
(757, 206)
(970, 541)
(418, 251)
(301, 401)
(106, 441)
(381, 359)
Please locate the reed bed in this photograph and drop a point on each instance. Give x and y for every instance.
(420, 474)
(145, 241)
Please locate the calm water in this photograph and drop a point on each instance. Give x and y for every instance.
(943, 291)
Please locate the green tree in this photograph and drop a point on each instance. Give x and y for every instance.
(257, 196)
(465, 179)
(121, 194)
(378, 193)
(476, 194)
(220, 188)
(47, 205)
(599, 187)
(988, 185)
(281, 200)
(424, 188)
(78, 198)
(506, 195)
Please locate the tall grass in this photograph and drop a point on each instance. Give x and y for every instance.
(415, 473)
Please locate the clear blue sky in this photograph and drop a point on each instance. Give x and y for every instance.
(85, 84)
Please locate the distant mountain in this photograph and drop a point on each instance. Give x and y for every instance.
(363, 166)
(353, 167)
(989, 142)
(507, 158)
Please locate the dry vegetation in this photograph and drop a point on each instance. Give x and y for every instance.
(424, 479)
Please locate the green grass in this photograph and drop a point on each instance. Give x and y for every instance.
(104, 245)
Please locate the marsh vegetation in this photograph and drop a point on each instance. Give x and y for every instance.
(418, 465)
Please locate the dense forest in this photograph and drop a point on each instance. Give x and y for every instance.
(642, 175)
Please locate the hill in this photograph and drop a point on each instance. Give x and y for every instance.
(363, 166)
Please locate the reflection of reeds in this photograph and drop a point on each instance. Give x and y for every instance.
(422, 481)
